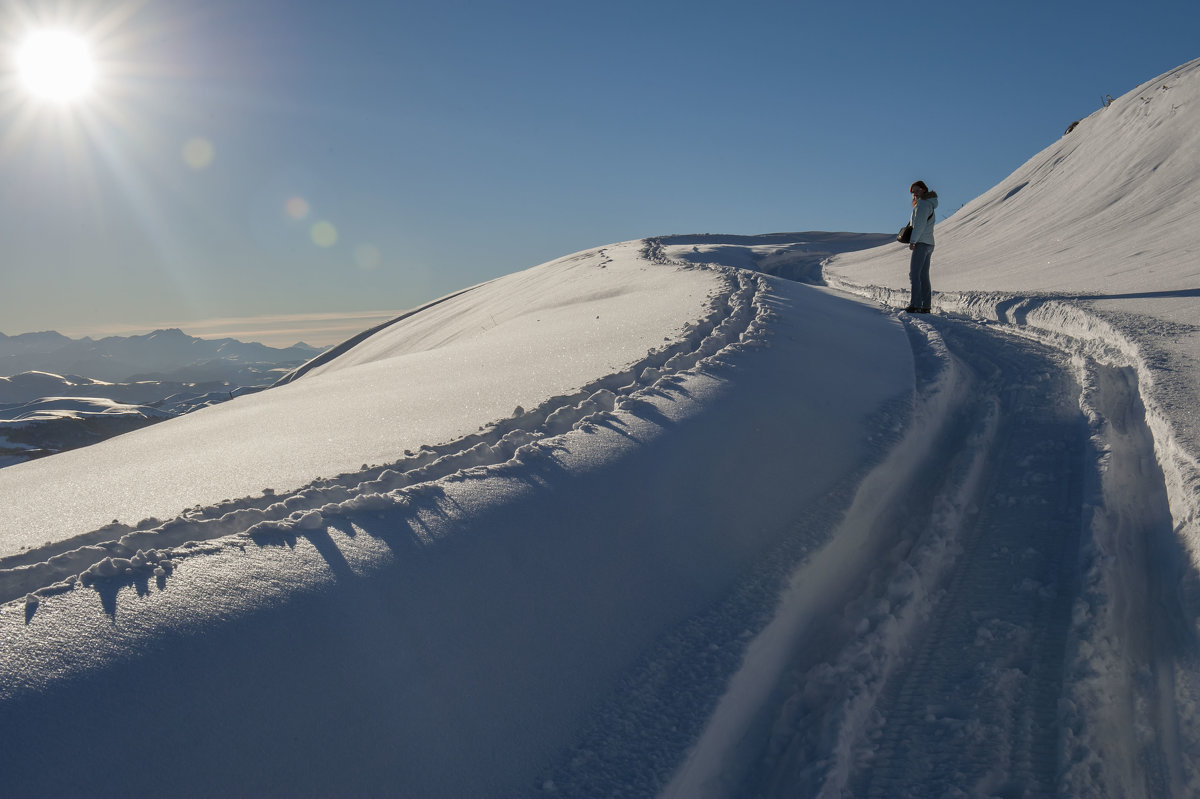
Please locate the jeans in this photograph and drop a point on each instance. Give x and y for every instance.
(918, 274)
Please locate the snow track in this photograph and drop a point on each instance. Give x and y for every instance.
(1130, 711)
(1131, 714)
(974, 708)
(1010, 613)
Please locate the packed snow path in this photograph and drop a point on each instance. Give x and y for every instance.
(957, 651)
(988, 719)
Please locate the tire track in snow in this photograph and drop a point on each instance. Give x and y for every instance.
(931, 665)
(120, 554)
(976, 709)
(807, 620)
(1130, 715)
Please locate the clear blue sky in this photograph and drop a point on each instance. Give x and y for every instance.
(448, 142)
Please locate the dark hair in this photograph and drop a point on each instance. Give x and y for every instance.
(920, 184)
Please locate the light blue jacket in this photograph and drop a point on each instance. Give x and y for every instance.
(923, 219)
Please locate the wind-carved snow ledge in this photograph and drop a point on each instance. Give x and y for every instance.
(1072, 329)
(737, 319)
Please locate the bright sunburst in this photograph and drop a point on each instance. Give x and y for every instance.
(56, 65)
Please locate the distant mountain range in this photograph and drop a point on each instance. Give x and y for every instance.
(58, 393)
(167, 355)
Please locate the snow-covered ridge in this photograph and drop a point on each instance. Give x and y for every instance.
(151, 548)
(1112, 203)
(341, 349)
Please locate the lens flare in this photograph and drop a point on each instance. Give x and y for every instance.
(199, 153)
(324, 234)
(296, 207)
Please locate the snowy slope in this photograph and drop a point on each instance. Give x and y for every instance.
(516, 342)
(1111, 208)
(596, 451)
(645, 520)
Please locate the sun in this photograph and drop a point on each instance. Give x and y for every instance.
(56, 65)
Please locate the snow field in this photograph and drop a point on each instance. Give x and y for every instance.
(484, 596)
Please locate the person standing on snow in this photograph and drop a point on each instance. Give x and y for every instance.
(925, 202)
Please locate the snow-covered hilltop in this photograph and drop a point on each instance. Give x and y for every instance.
(652, 519)
(492, 507)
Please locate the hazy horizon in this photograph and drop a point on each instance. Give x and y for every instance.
(319, 330)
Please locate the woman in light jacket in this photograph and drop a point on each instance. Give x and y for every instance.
(925, 202)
